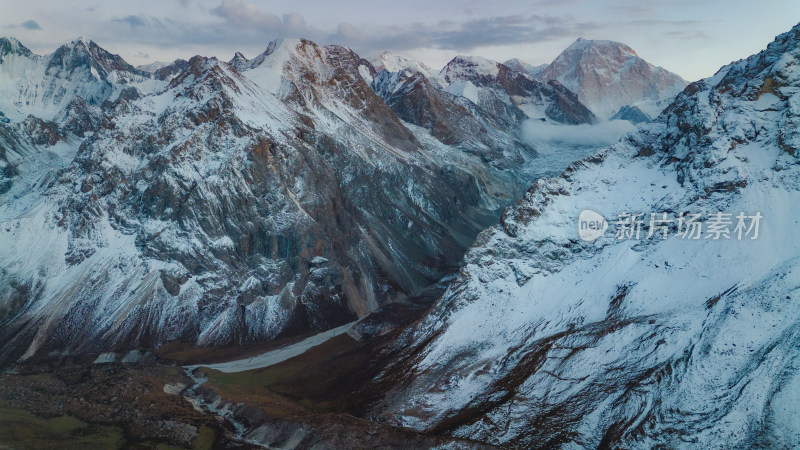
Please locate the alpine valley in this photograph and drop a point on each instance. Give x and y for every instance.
(312, 249)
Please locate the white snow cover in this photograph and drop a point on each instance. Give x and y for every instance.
(394, 63)
(465, 66)
(464, 88)
(153, 66)
(267, 69)
(30, 85)
(477, 79)
(546, 340)
(99, 263)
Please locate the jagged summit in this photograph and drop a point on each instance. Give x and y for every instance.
(239, 61)
(83, 52)
(507, 92)
(277, 53)
(607, 75)
(632, 114)
(10, 45)
(81, 40)
(472, 67)
(44, 86)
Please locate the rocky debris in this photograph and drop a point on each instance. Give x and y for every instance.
(128, 396)
(40, 132)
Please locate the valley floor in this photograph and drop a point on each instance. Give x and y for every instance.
(295, 393)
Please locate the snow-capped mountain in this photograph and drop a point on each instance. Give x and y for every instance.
(45, 85)
(526, 68)
(608, 75)
(219, 203)
(394, 63)
(658, 339)
(152, 67)
(504, 92)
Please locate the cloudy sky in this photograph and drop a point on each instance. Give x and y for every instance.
(691, 38)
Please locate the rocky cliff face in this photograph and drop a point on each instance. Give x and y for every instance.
(608, 75)
(632, 114)
(510, 94)
(548, 340)
(222, 203)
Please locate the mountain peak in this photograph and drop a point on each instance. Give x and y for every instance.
(82, 40)
(394, 63)
(239, 61)
(582, 44)
(278, 52)
(284, 45)
(518, 65)
(469, 67)
(12, 46)
(85, 52)
(608, 75)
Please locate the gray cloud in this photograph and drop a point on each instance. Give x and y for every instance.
(687, 35)
(243, 13)
(462, 36)
(31, 25)
(444, 35)
(133, 21)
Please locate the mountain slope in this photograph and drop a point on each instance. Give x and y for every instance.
(218, 203)
(548, 340)
(394, 63)
(608, 75)
(44, 85)
(523, 67)
(511, 95)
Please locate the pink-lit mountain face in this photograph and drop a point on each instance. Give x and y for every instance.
(608, 75)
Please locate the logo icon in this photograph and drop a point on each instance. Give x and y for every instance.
(591, 225)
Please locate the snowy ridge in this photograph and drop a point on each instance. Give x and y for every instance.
(394, 63)
(548, 340)
(514, 95)
(44, 85)
(221, 203)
